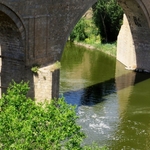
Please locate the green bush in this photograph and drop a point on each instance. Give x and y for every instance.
(79, 33)
(27, 125)
(107, 16)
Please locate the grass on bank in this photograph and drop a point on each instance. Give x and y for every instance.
(109, 48)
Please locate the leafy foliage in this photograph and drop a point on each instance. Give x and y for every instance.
(107, 16)
(85, 31)
(78, 32)
(27, 125)
(103, 27)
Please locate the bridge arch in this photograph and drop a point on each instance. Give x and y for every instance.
(133, 46)
(42, 32)
(142, 4)
(12, 48)
(15, 18)
(78, 17)
(130, 45)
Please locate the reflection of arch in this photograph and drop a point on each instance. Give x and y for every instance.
(12, 46)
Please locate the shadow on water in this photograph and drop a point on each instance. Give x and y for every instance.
(114, 102)
(84, 78)
(91, 95)
(95, 94)
(91, 75)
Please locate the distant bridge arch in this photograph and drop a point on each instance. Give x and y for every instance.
(14, 17)
(12, 52)
(133, 44)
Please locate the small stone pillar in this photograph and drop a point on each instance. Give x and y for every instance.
(45, 84)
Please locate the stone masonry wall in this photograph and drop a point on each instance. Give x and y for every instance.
(47, 25)
(38, 31)
(12, 56)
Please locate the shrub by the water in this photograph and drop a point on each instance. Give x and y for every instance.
(25, 125)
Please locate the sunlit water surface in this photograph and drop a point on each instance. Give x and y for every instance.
(113, 104)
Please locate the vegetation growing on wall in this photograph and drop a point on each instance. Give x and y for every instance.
(35, 69)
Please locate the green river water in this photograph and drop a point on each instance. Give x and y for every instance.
(113, 104)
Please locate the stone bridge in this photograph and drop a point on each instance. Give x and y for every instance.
(34, 32)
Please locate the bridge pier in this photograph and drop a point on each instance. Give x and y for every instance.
(125, 46)
(133, 44)
(44, 83)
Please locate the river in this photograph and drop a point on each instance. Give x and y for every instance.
(113, 104)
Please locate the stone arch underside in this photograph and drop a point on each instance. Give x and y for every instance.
(15, 18)
(75, 18)
(79, 15)
(132, 50)
(12, 55)
(133, 46)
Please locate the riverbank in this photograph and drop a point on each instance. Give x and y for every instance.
(109, 49)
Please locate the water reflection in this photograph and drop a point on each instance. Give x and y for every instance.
(134, 105)
(113, 103)
(84, 82)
